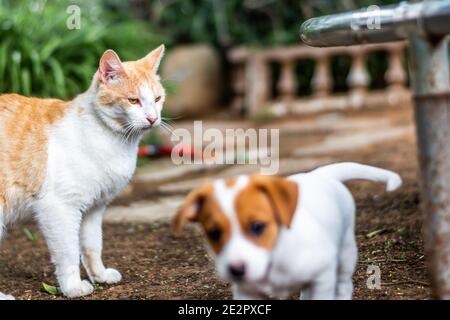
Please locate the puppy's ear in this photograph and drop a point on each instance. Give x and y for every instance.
(283, 195)
(191, 207)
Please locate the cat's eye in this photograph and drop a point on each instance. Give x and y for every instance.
(214, 234)
(257, 228)
(157, 98)
(133, 100)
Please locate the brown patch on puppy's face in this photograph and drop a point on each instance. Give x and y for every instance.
(256, 216)
(215, 224)
(265, 204)
(242, 219)
(230, 182)
(202, 207)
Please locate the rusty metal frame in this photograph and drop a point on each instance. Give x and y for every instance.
(425, 25)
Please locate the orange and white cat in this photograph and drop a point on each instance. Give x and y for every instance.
(63, 162)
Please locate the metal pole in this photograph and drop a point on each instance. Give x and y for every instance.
(425, 25)
(374, 24)
(430, 74)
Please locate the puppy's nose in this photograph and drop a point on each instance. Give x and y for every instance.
(237, 270)
(151, 120)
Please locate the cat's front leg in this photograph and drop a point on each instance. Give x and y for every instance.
(91, 245)
(2, 295)
(60, 225)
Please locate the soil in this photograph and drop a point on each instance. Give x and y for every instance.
(156, 264)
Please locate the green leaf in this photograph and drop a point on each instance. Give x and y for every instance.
(30, 235)
(52, 290)
(374, 233)
(3, 59)
(49, 48)
(36, 63)
(58, 76)
(26, 82)
(15, 72)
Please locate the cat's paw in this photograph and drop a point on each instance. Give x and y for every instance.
(77, 289)
(6, 296)
(109, 276)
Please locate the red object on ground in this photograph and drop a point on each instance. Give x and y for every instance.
(153, 150)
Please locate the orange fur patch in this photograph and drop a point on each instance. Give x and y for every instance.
(252, 205)
(212, 218)
(230, 182)
(23, 142)
(201, 206)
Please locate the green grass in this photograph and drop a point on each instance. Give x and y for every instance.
(40, 56)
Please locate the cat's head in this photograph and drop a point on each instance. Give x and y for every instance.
(129, 95)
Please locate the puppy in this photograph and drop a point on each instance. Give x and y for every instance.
(273, 236)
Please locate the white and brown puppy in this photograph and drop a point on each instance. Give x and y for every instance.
(274, 236)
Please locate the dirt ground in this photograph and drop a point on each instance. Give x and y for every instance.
(156, 264)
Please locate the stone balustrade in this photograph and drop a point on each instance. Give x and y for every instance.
(253, 85)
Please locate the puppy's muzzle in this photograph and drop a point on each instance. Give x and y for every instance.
(237, 270)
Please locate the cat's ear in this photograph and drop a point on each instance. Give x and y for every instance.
(110, 67)
(153, 59)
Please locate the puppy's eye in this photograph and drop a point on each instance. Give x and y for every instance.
(214, 234)
(133, 100)
(257, 228)
(157, 98)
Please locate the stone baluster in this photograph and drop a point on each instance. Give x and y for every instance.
(322, 80)
(287, 84)
(256, 83)
(358, 79)
(252, 83)
(395, 75)
(238, 84)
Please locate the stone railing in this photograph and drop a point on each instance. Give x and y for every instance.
(252, 80)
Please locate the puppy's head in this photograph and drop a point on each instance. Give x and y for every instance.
(241, 219)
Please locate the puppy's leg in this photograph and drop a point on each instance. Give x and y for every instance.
(91, 245)
(60, 225)
(347, 263)
(6, 297)
(324, 287)
(240, 294)
(305, 293)
(3, 296)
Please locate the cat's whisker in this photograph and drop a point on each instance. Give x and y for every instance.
(168, 124)
(127, 128)
(167, 128)
(172, 118)
(130, 132)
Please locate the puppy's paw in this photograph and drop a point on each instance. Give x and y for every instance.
(109, 276)
(6, 297)
(78, 289)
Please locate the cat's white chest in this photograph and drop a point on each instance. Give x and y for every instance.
(87, 166)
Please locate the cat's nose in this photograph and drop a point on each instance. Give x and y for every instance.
(152, 120)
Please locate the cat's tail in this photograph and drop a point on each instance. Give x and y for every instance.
(345, 171)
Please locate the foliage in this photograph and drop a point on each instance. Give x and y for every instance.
(40, 56)
(262, 23)
(235, 22)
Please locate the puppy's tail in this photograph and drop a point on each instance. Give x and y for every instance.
(345, 171)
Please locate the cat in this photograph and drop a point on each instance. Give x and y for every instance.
(63, 162)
